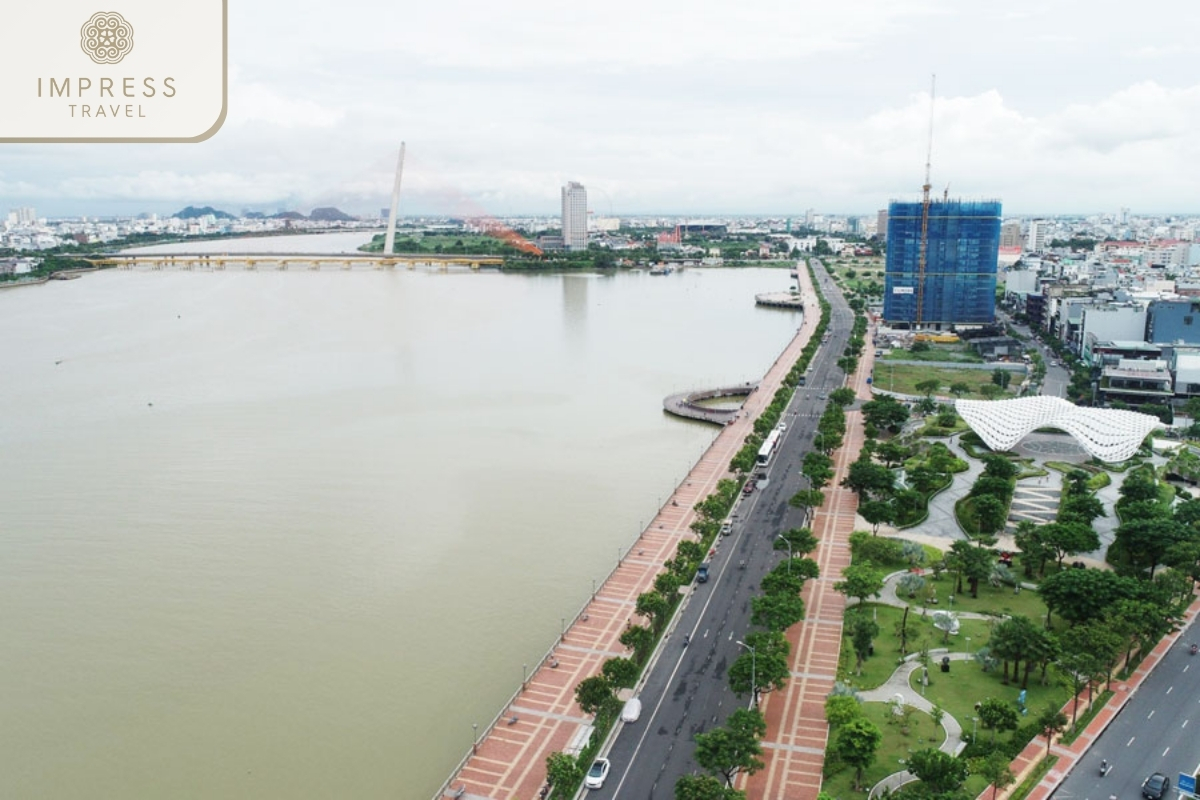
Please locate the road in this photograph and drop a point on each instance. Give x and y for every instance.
(1156, 732)
(686, 691)
(1057, 378)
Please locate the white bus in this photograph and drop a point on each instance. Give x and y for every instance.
(767, 451)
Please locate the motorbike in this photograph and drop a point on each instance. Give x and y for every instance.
(1194, 649)
(1104, 767)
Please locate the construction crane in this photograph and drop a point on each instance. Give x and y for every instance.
(922, 254)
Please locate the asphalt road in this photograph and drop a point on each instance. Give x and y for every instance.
(1156, 732)
(687, 691)
(1057, 378)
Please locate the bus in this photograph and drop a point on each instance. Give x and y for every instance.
(767, 451)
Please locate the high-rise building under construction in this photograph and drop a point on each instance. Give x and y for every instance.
(954, 281)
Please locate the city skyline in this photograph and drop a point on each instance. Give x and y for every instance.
(668, 109)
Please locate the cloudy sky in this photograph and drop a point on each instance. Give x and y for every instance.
(671, 106)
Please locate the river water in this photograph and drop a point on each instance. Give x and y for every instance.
(289, 534)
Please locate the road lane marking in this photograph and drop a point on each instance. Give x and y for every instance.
(1151, 714)
(1184, 725)
(1169, 688)
(1164, 755)
(1131, 738)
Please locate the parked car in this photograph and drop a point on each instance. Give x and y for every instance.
(597, 774)
(632, 710)
(1155, 787)
(702, 574)
(726, 527)
(749, 487)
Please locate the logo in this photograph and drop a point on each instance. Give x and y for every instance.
(106, 37)
(74, 73)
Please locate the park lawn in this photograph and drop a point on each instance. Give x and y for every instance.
(879, 667)
(997, 600)
(895, 746)
(903, 378)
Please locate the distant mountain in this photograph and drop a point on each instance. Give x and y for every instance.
(330, 214)
(253, 215)
(191, 212)
(288, 215)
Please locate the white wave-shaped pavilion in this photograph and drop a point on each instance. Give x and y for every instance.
(1108, 434)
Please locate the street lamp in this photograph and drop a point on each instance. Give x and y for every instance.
(788, 542)
(974, 728)
(753, 673)
(475, 737)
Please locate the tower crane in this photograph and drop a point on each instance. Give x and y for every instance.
(923, 252)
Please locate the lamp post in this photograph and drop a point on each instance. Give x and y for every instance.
(524, 676)
(474, 737)
(788, 542)
(753, 673)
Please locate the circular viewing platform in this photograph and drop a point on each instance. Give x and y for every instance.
(780, 300)
(687, 404)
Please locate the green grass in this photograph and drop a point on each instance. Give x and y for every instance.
(904, 378)
(1086, 716)
(996, 600)
(896, 745)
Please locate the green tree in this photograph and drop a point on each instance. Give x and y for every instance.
(877, 512)
(620, 672)
(841, 708)
(843, 396)
(640, 640)
(1146, 542)
(990, 391)
(1001, 377)
(958, 388)
(593, 693)
(996, 770)
(563, 770)
(885, 412)
(776, 612)
(705, 787)
(817, 467)
(860, 581)
(1069, 538)
(1079, 595)
(799, 541)
(735, 748)
(1051, 722)
(973, 563)
(940, 772)
(892, 453)
(869, 479)
(991, 513)
(995, 466)
(863, 631)
(998, 715)
(928, 387)
(767, 666)
(806, 499)
(856, 744)
(1081, 508)
(655, 608)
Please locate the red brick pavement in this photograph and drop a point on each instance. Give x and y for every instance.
(509, 761)
(794, 747)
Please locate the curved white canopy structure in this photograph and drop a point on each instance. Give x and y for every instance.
(1108, 434)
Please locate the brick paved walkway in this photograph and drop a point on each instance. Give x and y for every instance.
(794, 747)
(510, 760)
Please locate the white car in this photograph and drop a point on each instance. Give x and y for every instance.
(632, 710)
(597, 774)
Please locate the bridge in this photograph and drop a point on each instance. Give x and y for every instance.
(285, 261)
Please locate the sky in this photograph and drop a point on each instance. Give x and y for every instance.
(687, 107)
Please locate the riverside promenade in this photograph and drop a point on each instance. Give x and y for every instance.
(542, 717)
(797, 733)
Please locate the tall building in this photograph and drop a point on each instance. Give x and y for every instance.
(574, 216)
(1035, 241)
(959, 283)
(881, 218)
(1010, 234)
